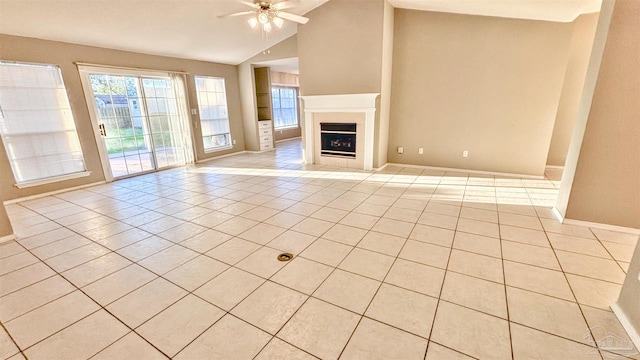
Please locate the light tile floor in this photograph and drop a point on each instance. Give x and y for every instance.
(403, 263)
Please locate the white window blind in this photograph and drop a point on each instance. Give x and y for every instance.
(214, 116)
(285, 113)
(36, 124)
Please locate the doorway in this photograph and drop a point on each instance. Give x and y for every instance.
(140, 120)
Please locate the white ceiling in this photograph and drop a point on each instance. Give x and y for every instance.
(180, 28)
(548, 10)
(191, 28)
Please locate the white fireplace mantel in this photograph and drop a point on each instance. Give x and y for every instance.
(352, 103)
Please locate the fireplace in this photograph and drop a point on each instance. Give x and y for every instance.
(338, 139)
(339, 130)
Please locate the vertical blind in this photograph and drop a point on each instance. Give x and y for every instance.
(36, 123)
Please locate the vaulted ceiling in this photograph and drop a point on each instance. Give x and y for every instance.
(181, 28)
(192, 29)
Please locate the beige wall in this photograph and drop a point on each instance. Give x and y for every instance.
(579, 54)
(65, 55)
(487, 85)
(246, 78)
(597, 50)
(5, 223)
(340, 51)
(285, 49)
(629, 299)
(385, 84)
(281, 78)
(606, 185)
(286, 134)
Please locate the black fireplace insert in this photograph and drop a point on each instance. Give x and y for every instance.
(338, 139)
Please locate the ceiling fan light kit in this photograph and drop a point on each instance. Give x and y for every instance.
(263, 18)
(268, 14)
(278, 22)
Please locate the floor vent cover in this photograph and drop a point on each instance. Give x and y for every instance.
(285, 257)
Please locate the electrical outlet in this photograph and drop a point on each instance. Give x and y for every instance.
(420, 151)
(400, 150)
(465, 153)
(194, 111)
(233, 141)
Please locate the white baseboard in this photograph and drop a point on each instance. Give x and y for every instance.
(220, 157)
(289, 139)
(381, 167)
(616, 228)
(524, 176)
(37, 196)
(557, 214)
(594, 225)
(633, 333)
(259, 151)
(6, 238)
(554, 167)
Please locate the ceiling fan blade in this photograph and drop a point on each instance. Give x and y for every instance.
(284, 5)
(237, 14)
(292, 17)
(250, 3)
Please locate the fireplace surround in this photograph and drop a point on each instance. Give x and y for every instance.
(335, 112)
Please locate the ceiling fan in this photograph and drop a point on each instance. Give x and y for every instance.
(268, 14)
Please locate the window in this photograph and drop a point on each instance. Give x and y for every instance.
(285, 113)
(214, 116)
(36, 124)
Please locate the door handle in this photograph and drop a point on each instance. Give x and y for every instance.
(103, 131)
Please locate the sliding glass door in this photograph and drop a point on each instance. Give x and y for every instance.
(165, 123)
(140, 121)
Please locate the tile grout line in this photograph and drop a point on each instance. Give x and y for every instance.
(100, 307)
(300, 201)
(204, 254)
(444, 278)
(378, 289)
(269, 279)
(504, 279)
(266, 280)
(132, 330)
(192, 259)
(320, 285)
(570, 288)
(92, 240)
(152, 271)
(13, 341)
(607, 250)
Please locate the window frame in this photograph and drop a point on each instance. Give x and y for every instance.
(206, 149)
(54, 178)
(295, 103)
